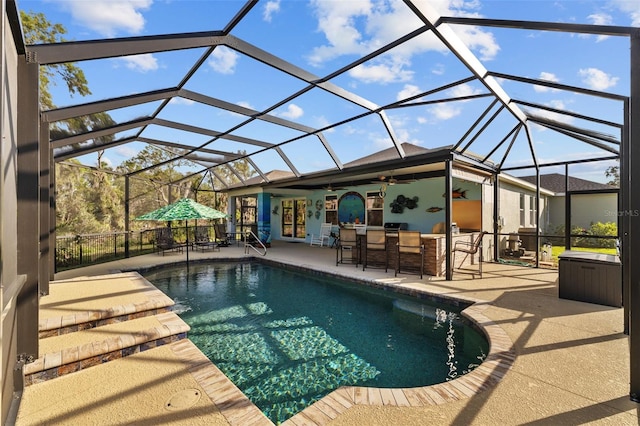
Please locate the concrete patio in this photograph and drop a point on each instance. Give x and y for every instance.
(571, 361)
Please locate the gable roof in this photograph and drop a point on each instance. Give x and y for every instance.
(390, 154)
(556, 182)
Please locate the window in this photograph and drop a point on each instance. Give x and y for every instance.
(532, 211)
(522, 210)
(331, 209)
(375, 208)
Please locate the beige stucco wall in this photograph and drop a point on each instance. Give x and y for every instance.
(509, 210)
(585, 209)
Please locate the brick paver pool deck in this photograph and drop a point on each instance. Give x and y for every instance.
(552, 361)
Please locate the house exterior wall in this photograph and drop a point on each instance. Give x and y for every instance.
(512, 217)
(429, 192)
(10, 280)
(585, 209)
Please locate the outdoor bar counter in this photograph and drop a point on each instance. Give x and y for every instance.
(434, 252)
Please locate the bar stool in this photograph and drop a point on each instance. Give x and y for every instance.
(376, 243)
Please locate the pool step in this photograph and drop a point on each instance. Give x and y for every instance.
(71, 352)
(88, 302)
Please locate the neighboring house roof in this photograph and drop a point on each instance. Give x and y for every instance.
(391, 154)
(272, 175)
(556, 182)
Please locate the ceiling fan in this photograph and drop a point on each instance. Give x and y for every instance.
(331, 188)
(390, 180)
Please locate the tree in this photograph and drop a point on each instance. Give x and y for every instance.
(150, 189)
(37, 29)
(88, 201)
(613, 172)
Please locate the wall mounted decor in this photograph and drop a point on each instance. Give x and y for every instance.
(457, 193)
(275, 210)
(351, 208)
(319, 205)
(317, 214)
(310, 213)
(401, 202)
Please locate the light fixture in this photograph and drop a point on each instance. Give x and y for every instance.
(383, 191)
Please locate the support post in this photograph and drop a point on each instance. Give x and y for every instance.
(623, 214)
(126, 216)
(448, 184)
(630, 243)
(28, 219)
(45, 226)
(497, 226)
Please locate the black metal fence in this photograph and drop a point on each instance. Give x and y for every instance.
(82, 250)
(75, 251)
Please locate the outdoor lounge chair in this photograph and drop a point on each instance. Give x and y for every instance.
(409, 244)
(165, 241)
(469, 249)
(202, 240)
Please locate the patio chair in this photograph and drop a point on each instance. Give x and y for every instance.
(221, 235)
(469, 249)
(165, 241)
(202, 240)
(347, 241)
(376, 246)
(323, 237)
(409, 244)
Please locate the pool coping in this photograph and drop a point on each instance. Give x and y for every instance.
(489, 373)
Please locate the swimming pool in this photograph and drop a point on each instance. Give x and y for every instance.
(288, 338)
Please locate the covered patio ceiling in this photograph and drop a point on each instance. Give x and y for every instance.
(212, 120)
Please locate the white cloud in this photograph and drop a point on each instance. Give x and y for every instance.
(293, 111)
(223, 60)
(597, 79)
(407, 91)
(181, 101)
(126, 151)
(444, 111)
(462, 90)
(630, 7)
(109, 17)
(600, 19)
(322, 122)
(245, 104)
(359, 27)
(548, 76)
(550, 115)
(141, 63)
(381, 73)
(438, 69)
(270, 8)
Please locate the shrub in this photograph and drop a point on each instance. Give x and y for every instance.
(608, 229)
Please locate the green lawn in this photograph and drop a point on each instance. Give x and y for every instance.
(556, 250)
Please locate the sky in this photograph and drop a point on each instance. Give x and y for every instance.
(322, 36)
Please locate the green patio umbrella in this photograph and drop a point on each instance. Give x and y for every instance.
(183, 209)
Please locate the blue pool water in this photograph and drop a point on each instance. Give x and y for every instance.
(287, 338)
